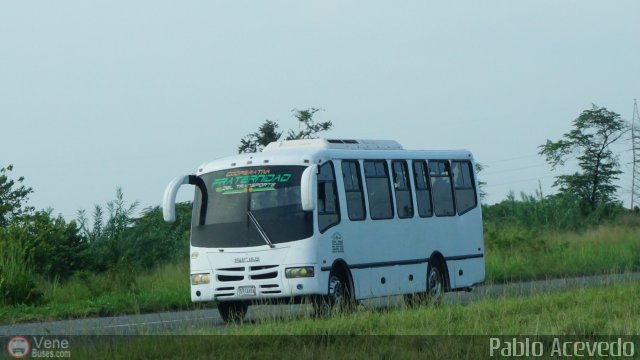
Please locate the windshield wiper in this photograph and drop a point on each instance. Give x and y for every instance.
(260, 229)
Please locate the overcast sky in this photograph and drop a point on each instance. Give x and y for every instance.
(100, 94)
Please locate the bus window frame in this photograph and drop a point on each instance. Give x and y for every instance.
(408, 186)
(337, 197)
(447, 163)
(388, 187)
(360, 184)
(473, 185)
(427, 177)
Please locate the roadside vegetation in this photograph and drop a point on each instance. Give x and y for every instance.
(567, 312)
(117, 260)
(165, 288)
(525, 239)
(540, 237)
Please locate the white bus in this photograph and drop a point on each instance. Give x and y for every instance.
(335, 221)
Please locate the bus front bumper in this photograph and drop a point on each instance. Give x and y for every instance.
(255, 284)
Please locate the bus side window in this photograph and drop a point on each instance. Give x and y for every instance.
(423, 190)
(328, 208)
(353, 189)
(464, 186)
(378, 189)
(404, 202)
(440, 174)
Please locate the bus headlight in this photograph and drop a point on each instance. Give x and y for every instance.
(298, 272)
(199, 279)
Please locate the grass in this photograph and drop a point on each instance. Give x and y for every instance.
(599, 310)
(593, 313)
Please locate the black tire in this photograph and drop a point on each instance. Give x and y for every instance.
(339, 298)
(435, 284)
(232, 311)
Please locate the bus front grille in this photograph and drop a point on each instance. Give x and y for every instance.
(271, 275)
(227, 278)
(269, 289)
(265, 277)
(225, 291)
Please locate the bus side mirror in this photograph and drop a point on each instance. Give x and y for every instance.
(169, 198)
(309, 188)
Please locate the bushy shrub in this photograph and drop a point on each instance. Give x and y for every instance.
(52, 245)
(118, 241)
(151, 241)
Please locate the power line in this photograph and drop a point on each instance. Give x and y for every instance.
(509, 159)
(489, 185)
(515, 169)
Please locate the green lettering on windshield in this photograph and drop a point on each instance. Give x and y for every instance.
(237, 182)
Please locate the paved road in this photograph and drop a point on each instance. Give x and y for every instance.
(185, 322)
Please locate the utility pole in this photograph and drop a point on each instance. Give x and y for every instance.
(635, 140)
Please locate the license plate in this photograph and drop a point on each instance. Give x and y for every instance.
(247, 290)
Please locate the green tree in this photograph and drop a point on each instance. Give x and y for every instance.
(256, 141)
(32, 244)
(13, 198)
(482, 185)
(268, 131)
(590, 141)
(309, 128)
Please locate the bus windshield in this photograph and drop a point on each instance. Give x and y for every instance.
(270, 194)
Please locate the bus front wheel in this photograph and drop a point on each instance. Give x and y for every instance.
(340, 296)
(232, 311)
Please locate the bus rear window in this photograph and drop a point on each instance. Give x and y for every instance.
(464, 186)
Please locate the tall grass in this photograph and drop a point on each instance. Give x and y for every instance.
(518, 254)
(556, 236)
(17, 278)
(536, 212)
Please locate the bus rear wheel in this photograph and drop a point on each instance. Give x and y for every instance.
(435, 285)
(435, 289)
(232, 311)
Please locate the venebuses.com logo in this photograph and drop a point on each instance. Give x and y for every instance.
(18, 347)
